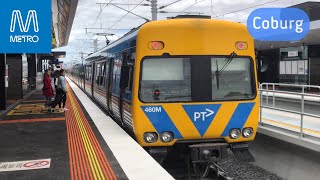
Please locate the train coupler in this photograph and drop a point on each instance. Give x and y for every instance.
(208, 152)
(241, 152)
(204, 157)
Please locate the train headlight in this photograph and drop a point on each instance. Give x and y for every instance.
(150, 137)
(247, 132)
(234, 133)
(166, 137)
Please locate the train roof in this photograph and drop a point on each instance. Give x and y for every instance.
(134, 31)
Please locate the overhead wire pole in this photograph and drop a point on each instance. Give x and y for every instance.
(154, 10)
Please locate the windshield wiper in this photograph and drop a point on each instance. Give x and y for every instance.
(219, 72)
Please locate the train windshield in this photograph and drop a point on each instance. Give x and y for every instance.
(196, 79)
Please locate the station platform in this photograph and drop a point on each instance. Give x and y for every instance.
(290, 121)
(286, 127)
(36, 144)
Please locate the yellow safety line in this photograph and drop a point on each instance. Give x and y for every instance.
(94, 164)
(291, 126)
(89, 149)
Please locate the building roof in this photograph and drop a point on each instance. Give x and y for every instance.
(63, 13)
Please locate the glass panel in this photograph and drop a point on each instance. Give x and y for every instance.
(234, 82)
(102, 77)
(97, 73)
(166, 80)
(170, 79)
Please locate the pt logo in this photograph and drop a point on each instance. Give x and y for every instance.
(202, 115)
(24, 27)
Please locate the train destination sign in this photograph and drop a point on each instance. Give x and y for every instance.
(26, 26)
(278, 24)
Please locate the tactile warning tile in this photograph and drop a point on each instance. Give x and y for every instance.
(30, 109)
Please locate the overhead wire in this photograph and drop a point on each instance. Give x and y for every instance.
(124, 16)
(250, 7)
(165, 6)
(120, 18)
(95, 22)
(212, 9)
(196, 2)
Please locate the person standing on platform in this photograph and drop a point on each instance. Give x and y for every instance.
(47, 87)
(51, 76)
(62, 88)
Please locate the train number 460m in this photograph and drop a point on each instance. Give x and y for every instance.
(153, 109)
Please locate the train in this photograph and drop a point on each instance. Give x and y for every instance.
(186, 81)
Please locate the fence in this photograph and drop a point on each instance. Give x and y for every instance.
(273, 90)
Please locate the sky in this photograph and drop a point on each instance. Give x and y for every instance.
(110, 19)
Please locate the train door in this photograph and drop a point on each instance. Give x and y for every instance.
(88, 79)
(107, 82)
(110, 63)
(99, 89)
(96, 76)
(83, 76)
(92, 78)
(126, 83)
(115, 90)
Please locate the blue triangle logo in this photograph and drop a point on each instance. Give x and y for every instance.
(202, 115)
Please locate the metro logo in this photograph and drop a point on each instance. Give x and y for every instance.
(24, 27)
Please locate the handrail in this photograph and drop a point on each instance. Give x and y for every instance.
(291, 85)
(267, 91)
(292, 93)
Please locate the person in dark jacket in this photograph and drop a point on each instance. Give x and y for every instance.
(47, 88)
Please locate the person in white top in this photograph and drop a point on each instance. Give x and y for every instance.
(62, 89)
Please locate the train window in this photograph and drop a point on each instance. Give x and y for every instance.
(196, 79)
(166, 80)
(130, 82)
(106, 74)
(87, 73)
(97, 73)
(231, 80)
(103, 74)
(90, 74)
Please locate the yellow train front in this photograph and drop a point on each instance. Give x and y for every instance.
(195, 84)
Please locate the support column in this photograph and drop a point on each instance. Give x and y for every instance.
(32, 71)
(3, 89)
(15, 89)
(154, 10)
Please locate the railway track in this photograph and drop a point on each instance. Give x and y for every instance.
(227, 169)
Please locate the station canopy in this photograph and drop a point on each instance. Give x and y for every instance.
(63, 13)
